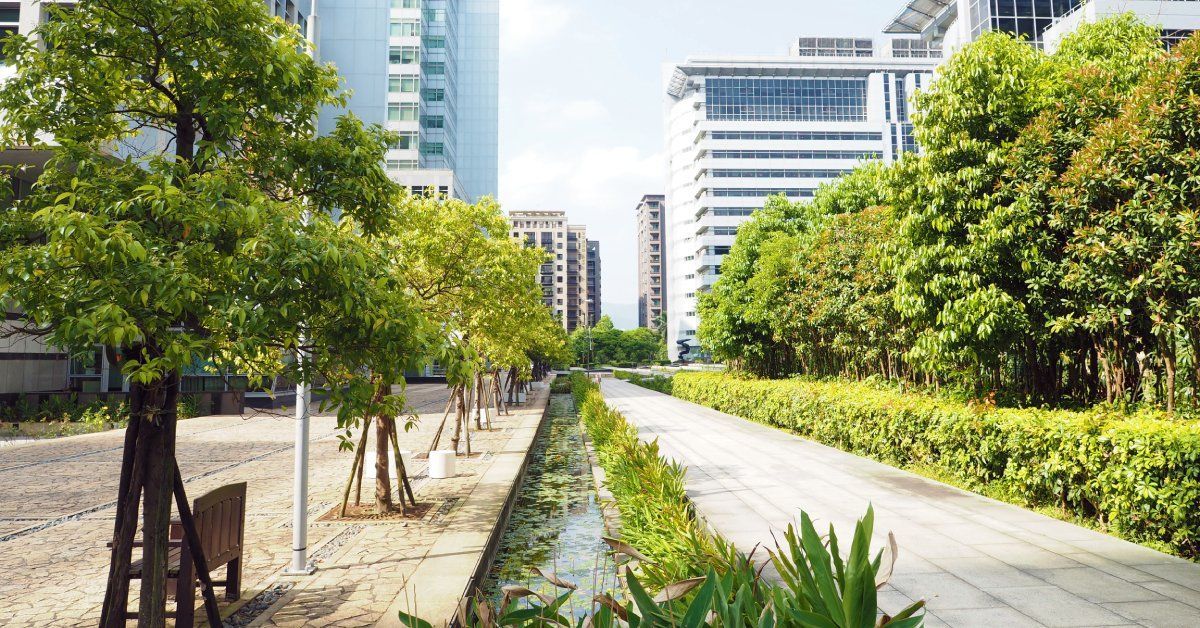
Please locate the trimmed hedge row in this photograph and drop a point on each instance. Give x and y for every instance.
(656, 516)
(659, 383)
(1137, 473)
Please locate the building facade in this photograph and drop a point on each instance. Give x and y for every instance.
(564, 276)
(742, 129)
(428, 70)
(594, 306)
(651, 260)
(953, 23)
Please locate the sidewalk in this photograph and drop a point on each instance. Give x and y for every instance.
(56, 516)
(976, 561)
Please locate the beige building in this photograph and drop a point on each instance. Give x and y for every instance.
(564, 275)
(651, 288)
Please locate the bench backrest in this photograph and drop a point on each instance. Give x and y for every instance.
(220, 516)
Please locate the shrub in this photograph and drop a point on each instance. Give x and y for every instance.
(560, 385)
(1136, 473)
(658, 383)
(656, 516)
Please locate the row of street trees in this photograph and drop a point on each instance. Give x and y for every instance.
(189, 215)
(1045, 243)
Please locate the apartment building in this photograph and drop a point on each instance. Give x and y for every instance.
(564, 276)
(651, 260)
(742, 129)
(593, 282)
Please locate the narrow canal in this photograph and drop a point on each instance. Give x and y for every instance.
(556, 523)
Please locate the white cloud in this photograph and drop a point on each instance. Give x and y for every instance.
(526, 24)
(553, 114)
(596, 179)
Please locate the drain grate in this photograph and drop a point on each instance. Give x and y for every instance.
(258, 605)
(444, 510)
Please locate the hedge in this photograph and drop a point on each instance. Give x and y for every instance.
(656, 516)
(659, 383)
(1136, 473)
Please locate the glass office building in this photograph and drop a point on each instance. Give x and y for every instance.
(741, 130)
(428, 70)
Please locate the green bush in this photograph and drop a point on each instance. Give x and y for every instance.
(1136, 473)
(560, 385)
(656, 516)
(658, 383)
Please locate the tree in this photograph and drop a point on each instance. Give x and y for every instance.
(167, 224)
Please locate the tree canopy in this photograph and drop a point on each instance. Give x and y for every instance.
(1040, 245)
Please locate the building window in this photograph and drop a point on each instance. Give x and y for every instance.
(690, 314)
(689, 276)
(796, 154)
(816, 173)
(403, 84)
(404, 54)
(399, 111)
(404, 28)
(406, 141)
(690, 295)
(435, 42)
(433, 94)
(406, 4)
(433, 122)
(435, 68)
(786, 99)
(433, 148)
(398, 165)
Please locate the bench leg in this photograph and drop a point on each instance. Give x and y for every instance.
(185, 595)
(233, 580)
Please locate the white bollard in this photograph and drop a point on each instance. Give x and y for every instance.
(441, 464)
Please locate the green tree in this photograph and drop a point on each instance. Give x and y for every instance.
(167, 224)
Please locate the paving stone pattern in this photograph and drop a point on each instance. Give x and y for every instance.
(976, 561)
(54, 561)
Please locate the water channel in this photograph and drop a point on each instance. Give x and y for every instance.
(556, 522)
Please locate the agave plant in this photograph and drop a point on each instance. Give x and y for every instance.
(816, 587)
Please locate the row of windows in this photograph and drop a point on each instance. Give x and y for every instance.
(817, 173)
(400, 111)
(404, 54)
(786, 99)
(796, 154)
(403, 84)
(727, 211)
(754, 192)
(405, 141)
(404, 28)
(397, 165)
(406, 4)
(797, 135)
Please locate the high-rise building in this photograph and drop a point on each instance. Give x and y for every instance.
(563, 276)
(742, 129)
(651, 260)
(429, 70)
(593, 282)
(953, 23)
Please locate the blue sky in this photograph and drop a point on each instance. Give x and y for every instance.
(581, 100)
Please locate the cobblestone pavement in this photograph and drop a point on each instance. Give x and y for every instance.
(974, 560)
(56, 517)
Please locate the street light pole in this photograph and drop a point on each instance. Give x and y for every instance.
(301, 566)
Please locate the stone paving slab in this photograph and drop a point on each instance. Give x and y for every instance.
(976, 561)
(54, 576)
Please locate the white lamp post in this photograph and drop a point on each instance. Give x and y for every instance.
(301, 565)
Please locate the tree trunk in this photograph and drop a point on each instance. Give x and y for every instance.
(156, 511)
(383, 480)
(133, 462)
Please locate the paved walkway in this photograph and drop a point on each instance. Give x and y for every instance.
(976, 561)
(56, 516)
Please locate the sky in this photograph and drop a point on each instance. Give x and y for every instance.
(581, 101)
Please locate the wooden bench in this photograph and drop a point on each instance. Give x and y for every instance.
(220, 522)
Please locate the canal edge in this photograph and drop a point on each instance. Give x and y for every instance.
(492, 548)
